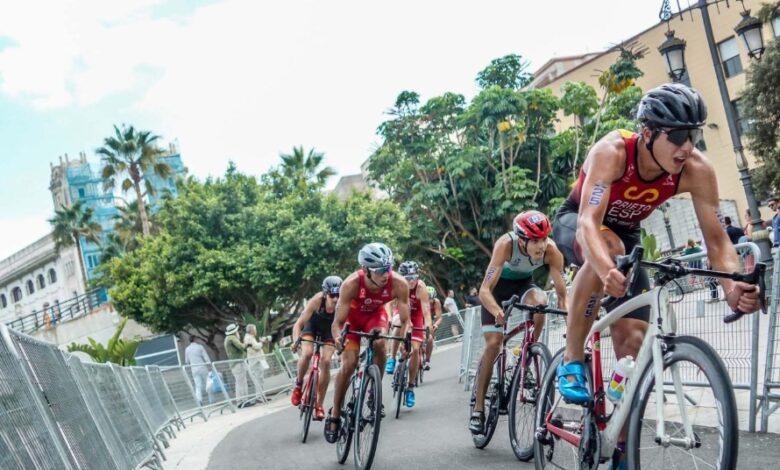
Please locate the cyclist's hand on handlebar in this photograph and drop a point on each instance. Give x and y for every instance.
(294, 347)
(743, 297)
(615, 283)
(500, 318)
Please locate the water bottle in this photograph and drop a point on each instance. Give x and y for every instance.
(617, 383)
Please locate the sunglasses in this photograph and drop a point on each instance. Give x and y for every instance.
(382, 270)
(333, 296)
(412, 277)
(679, 136)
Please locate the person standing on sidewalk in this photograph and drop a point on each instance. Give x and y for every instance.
(254, 353)
(451, 307)
(236, 351)
(196, 356)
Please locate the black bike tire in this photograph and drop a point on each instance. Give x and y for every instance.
(374, 379)
(538, 356)
(548, 387)
(309, 405)
(400, 389)
(710, 365)
(347, 429)
(482, 440)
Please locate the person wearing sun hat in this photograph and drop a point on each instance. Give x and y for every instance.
(236, 351)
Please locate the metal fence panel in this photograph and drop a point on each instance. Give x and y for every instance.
(171, 412)
(26, 438)
(150, 398)
(181, 385)
(450, 329)
(155, 421)
(66, 407)
(137, 439)
(771, 400)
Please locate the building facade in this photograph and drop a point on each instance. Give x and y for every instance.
(733, 58)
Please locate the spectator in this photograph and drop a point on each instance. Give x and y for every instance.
(472, 300)
(748, 228)
(774, 206)
(254, 353)
(196, 356)
(451, 307)
(690, 249)
(236, 352)
(734, 233)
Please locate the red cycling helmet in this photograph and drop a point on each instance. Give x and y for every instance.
(531, 225)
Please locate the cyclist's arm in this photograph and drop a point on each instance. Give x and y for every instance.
(555, 262)
(311, 306)
(605, 163)
(502, 251)
(348, 292)
(425, 303)
(401, 291)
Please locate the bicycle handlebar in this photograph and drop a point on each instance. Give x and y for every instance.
(373, 336)
(514, 302)
(672, 269)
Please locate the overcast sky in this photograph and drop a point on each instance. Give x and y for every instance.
(244, 80)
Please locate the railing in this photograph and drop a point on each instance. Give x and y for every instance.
(53, 315)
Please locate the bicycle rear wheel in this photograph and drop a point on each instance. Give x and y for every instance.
(369, 417)
(491, 411)
(347, 428)
(309, 399)
(711, 410)
(522, 401)
(420, 367)
(401, 372)
(550, 451)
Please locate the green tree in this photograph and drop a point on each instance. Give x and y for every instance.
(69, 224)
(133, 155)
(761, 98)
(580, 100)
(231, 247)
(617, 78)
(118, 350)
(300, 171)
(510, 72)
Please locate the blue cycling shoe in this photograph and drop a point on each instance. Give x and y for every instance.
(618, 461)
(409, 398)
(575, 391)
(390, 366)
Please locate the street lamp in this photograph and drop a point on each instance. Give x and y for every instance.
(673, 52)
(665, 211)
(749, 29)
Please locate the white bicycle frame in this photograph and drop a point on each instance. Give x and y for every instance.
(658, 301)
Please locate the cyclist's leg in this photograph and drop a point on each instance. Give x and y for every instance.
(349, 360)
(378, 322)
(414, 358)
(493, 336)
(429, 349)
(390, 365)
(536, 296)
(307, 349)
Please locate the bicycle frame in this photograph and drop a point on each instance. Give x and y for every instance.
(662, 322)
(314, 366)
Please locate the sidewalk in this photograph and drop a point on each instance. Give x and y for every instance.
(192, 447)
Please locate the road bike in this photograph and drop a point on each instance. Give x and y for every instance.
(662, 428)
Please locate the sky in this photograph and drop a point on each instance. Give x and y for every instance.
(246, 80)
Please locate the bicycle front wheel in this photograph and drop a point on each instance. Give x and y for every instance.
(309, 399)
(369, 416)
(347, 429)
(697, 386)
(491, 411)
(401, 373)
(522, 400)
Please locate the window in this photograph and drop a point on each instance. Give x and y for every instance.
(16, 294)
(52, 276)
(776, 26)
(743, 124)
(3, 301)
(81, 193)
(30, 287)
(41, 281)
(729, 56)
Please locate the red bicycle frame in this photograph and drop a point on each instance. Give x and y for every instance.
(308, 385)
(599, 406)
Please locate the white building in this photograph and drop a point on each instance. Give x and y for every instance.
(37, 278)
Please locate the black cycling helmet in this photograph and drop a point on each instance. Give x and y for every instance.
(331, 285)
(672, 105)
(408, 268)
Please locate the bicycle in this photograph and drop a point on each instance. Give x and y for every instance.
(583, 436)
(310, 388)
(362, 411)
(401, 375)
(423, 358)
(504, 393)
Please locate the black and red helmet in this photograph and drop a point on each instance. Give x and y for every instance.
(531, 225)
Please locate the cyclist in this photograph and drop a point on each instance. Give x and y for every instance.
(516, 255)
(623, 179)
(420, 316)
(316, 321)
(436, 312)
(361, 304)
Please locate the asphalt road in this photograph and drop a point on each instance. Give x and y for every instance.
(431, 435)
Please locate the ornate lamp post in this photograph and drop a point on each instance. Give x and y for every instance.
(673, 52)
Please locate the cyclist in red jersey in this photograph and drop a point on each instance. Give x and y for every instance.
(623, 179)
(419, 316)
(362, 300)
(436, 317)
(316, 321)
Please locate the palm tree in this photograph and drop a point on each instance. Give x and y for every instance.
(303, 169)
(72, 223)
(127, 225)
(136, 154)
(118, 350)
